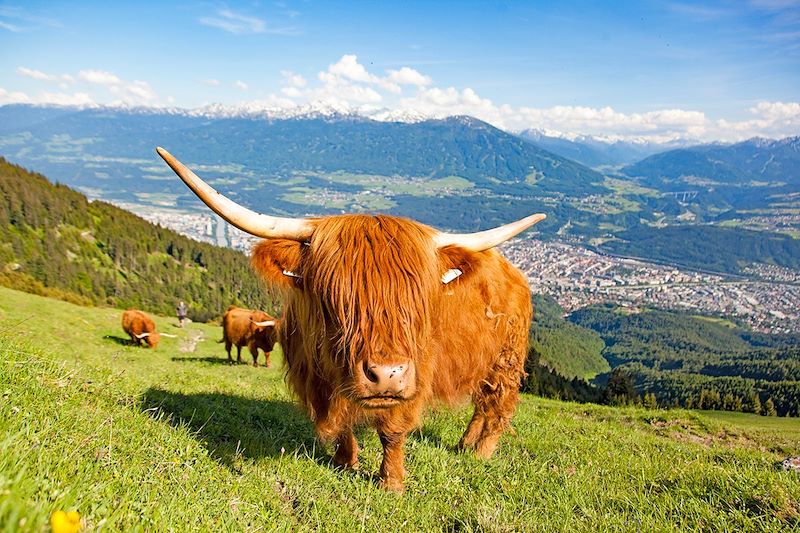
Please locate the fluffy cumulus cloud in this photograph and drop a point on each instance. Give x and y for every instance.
(87, 88)
(242, 86)
(99, 77)
(409, 76)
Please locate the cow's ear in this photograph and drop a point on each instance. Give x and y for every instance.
(279, 261)
(457, 264)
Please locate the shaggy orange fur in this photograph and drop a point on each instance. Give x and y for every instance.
(239, 330)
(135, 323)
(368, 288)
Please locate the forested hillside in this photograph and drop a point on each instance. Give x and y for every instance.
(700, 362)
(568, 349)
(54, 242)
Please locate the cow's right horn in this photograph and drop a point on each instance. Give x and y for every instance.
(269, 227)
(265, 323)
(142, 335)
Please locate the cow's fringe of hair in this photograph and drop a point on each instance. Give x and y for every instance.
(375, 296)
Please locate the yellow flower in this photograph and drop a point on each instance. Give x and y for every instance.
(62, 522)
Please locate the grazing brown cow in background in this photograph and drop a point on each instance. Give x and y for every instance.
(140, 327)
(245, 327)
(384, 315)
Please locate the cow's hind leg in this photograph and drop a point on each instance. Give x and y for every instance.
(497, 407)
(228, 346)
(238, 354)
(495, 402)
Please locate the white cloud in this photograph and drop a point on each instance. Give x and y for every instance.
(349, 69)
(10, 27)
(292, 92)
(80, 99)
(63, 80)
(142, 90)
(13, 97)
(99, 77)
(242, 86)
(16, 97)
(35, 74)
(235, 23)
(292, 79)
(777, 110)
(211, 82)
(239, 24)
(409, 76)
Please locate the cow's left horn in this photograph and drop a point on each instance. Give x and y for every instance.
(265, 323)
(141, 335)
(269, 227)
(483, 240)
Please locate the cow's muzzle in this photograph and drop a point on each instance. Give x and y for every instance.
(385, 384)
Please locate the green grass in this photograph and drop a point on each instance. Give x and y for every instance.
(776, 430)
(165, 440)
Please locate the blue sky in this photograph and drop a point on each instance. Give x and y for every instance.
(656, 70)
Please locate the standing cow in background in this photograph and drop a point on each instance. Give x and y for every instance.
(384, 315)
(245, 327)
(140, 327)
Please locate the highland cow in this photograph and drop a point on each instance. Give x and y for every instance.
(140, 327)
(384, 315)
(245, 327)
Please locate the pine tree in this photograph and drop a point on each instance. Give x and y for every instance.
(755, 404)
(650, 401)
(769, 408)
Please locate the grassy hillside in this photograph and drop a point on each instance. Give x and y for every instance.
(53, 241)
(174, 439)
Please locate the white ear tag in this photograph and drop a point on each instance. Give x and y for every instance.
(450, 275)
(290, 274)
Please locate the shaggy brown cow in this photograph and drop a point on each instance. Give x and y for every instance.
(384, 315)
(140, 327)
(245, 327)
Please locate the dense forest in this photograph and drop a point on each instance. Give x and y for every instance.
(55, 242)
(699, 362)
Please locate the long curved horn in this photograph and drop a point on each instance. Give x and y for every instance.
(269, 227)
(483, 240)
(265, 323)
(141, 335)
(168, 335)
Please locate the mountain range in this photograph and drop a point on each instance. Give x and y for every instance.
(597, 152)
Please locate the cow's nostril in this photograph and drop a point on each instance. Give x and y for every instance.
(372, 376)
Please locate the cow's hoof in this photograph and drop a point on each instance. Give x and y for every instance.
(346, 465)
(392, 485)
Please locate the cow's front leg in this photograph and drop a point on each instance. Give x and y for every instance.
(346, 450)
(392, 468)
